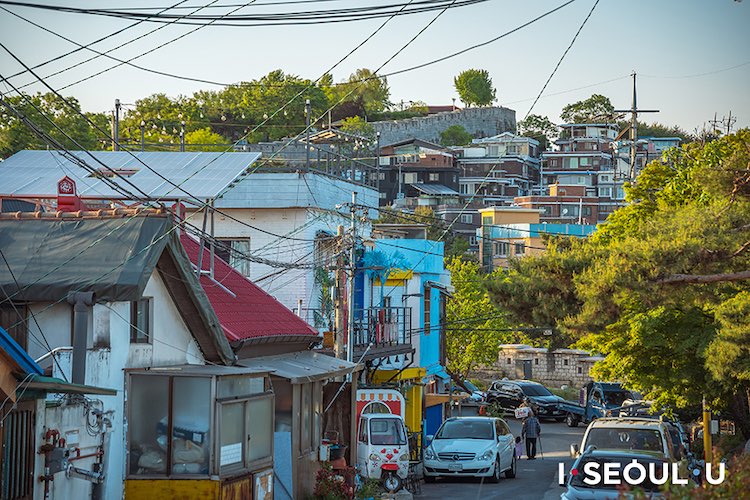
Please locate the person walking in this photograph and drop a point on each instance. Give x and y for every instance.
(531, 430)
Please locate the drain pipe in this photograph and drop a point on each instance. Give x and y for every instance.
(81, 302)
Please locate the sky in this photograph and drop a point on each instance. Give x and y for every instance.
(691, 56)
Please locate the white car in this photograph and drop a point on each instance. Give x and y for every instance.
(471, 447)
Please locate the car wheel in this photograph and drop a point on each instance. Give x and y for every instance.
(571, 420)
(496, 472)
(511, 473)
(429, 479)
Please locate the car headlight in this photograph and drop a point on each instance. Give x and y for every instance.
(429, 454)
(374, 457)
(404, 457)
(487, 455)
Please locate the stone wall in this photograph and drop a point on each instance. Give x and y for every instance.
(479, 122)
(561, 367)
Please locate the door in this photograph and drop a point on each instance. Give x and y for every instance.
(505, 444)
(527, 369)
(18, 449)
(363, 446)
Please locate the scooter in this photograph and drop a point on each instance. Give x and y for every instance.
(383, 449)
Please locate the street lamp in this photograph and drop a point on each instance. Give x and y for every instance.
(143, 138)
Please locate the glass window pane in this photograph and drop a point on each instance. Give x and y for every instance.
(232, 432)
(191, 418)
(147, 401)
(240, 386)
(260, 427)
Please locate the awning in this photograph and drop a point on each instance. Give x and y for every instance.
(301, 367)
(52, 384)
(435, 189)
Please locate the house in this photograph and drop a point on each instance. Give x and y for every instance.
(496, 169)
(555, 368)
(109, 299)
(416, 169)
(267, 337)
(415, 285)
(514, 232)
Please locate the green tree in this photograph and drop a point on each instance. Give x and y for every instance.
(595, 109)
(357, 126)
(455, 135)
(16, 135)
(658, 130)
(474, 87)
(540, 128)
(362, 94)
(475, 327)
(205, 140)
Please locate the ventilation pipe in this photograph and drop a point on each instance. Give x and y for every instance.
(81, 302)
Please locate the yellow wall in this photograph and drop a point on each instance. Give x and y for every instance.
(414, 395)
(184, 489)
(511, 215)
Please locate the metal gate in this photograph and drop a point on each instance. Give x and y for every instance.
(17, 457)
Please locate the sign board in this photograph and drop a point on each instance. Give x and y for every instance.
(523, 412)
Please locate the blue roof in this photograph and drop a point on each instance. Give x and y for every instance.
(17, 353)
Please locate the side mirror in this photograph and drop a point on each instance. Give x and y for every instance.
(428, 439)
(574, 450)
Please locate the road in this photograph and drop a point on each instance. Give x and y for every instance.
(535, 480)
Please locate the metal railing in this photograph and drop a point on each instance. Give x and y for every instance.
(380, 326)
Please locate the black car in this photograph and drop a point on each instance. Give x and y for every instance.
(509, 394)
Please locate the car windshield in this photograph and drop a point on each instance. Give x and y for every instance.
(583, 480)
(387, 431)
(535, 390)
(624, 438)
(466, 429)
(617, 398)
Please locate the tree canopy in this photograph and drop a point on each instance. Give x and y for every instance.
(455, 135)
(540, 128)
(662, 289)
(595, 109)
(54, 118)
(474, 87)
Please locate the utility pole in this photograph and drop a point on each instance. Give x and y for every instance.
(350, 287)
(707, 445)
(338, 299)
(377, 165)
(116, 131)
(634, 127)
(307, 134)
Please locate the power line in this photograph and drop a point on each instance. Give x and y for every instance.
(544, 87)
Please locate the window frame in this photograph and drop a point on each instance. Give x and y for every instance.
(137, 334)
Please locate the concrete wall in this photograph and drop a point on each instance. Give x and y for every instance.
(171, 344)
(479, 122)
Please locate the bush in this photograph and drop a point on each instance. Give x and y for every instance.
(331, 485)
(736, 484)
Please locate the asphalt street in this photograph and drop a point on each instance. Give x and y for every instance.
(535, 480)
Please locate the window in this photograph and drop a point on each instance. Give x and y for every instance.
(619, 193)
(605, 192)
(507, 361)
(580, 370)
(487, 220)
(472, 241)
(410, 178)
(536, 361)
(570, 162)
(603, 178)
(565, 362)
(140, 321)
(381, 176)
(383, 196)
(433, 177)
(502, 248)
(587, 210)
(427, 307)
(467, 218)
(519, 249)
(584, 162)
(234, 252)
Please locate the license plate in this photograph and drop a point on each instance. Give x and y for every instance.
(455, 467)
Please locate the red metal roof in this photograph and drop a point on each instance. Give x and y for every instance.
(252, 312)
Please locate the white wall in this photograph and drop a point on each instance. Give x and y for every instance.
(171, 344)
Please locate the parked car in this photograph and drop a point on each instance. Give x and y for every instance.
(595, 400)
(579, 486)
(509, 394)
(475, 394)
(632, 434)
(470, 446)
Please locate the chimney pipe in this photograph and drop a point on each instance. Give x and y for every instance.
(81, 302)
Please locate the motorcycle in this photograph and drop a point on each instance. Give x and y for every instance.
(383, 449)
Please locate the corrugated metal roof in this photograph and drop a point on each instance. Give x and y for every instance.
(198, 174)
(248, 311)
(303, 366)
(435, 189)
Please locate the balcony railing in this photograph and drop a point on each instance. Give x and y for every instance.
(382, 326)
